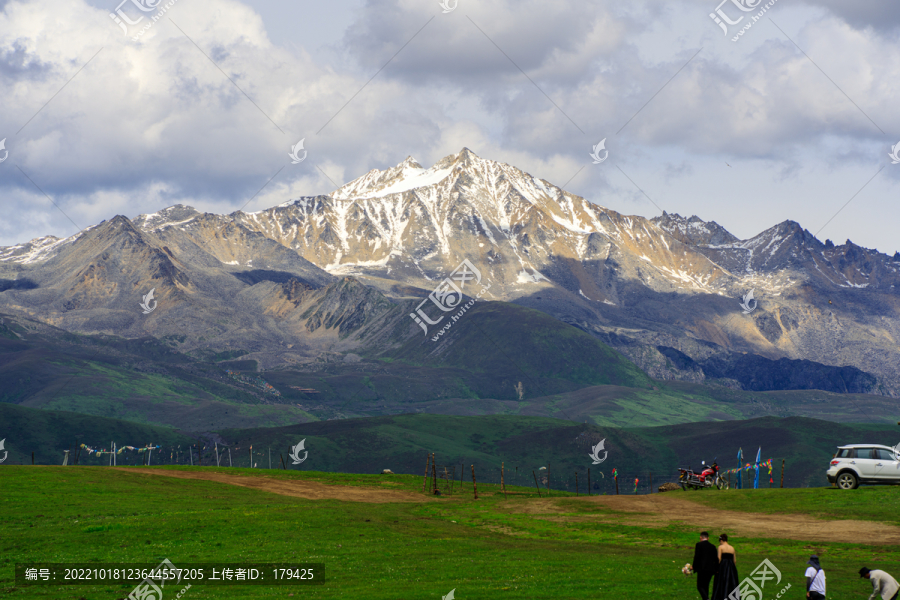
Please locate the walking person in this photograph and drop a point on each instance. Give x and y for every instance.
(727, 581)
(815, 579)
(705, 565)
(882, 584)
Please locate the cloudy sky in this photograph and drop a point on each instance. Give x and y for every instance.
(793, 119)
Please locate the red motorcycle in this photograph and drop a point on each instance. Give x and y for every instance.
(708, 477)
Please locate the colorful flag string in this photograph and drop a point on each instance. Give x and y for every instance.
(90, 450)
(750, 466)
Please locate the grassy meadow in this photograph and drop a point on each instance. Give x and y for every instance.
(495, 547)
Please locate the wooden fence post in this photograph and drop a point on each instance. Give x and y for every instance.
(536, 484)
(782, 472)
(434, 487)
(427, 464)
(462, 471)
(474, 483)
(282, 461)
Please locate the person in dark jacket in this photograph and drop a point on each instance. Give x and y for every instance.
(705, 565)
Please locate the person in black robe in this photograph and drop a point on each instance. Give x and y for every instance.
(727, 579)
(705, 565)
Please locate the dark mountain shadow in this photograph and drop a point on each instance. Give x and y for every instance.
(17, 284)
(258, 275)
(759, 374)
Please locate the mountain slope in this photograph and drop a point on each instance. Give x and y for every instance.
(667, 281)
(251, 281)
(511, 344)
(143, 380)
(559, 371)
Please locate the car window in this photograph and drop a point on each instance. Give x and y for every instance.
(846, 453)
(883, 454)
(865, 453)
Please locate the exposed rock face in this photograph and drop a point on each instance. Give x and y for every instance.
(271, 279)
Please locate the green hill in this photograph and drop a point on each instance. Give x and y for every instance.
(500, 344)
(523, 443)
(142, 380)
(48, 433)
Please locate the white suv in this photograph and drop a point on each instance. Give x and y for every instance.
(864, 463)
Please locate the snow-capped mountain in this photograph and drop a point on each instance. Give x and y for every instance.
(640, 284)
(415, 225)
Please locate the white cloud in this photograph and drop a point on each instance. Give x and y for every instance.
(151, 123)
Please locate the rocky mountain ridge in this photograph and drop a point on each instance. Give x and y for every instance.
(640, 284)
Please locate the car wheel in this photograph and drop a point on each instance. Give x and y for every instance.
(847, 481)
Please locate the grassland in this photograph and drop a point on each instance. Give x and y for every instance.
(871, 503)
(490, 548)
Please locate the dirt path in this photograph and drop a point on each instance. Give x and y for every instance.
(660, 510)
(655, 510)
(311, 490)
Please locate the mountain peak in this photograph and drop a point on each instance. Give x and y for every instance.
(694, 230)
(118, 224)
(173, 215)
(410, 163)
(464, 158)
(406, 176)
(466, 154)
(795, 229)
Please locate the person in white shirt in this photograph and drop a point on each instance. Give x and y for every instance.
(815, 579)
(882, 584)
